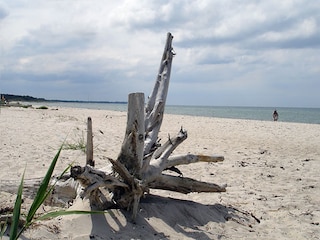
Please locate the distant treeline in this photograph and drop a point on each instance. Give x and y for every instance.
(19, 98)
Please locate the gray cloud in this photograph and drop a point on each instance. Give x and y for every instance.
(228, 53)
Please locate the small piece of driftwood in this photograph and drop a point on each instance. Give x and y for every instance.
(89, 147)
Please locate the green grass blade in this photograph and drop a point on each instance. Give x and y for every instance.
(65, 212)
(3, 228)
(42, 191)
(17, 211)
(55, 182)
(66, 170)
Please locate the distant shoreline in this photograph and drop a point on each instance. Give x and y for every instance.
(298, 115)
(80, 101)
(286, 114)
(26, 98)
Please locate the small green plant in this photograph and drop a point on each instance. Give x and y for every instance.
(25, 106)
(80, 144)
(42, 107)
(42, 193)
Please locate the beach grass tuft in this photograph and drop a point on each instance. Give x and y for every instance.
(42, 193)
(79, 144)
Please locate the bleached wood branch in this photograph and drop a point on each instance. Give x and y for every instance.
(122, 171)
(170, 145)
(92, 179)
(160, 157)
(157, 100)
(191, 158)
(65, 189)
(89, 148)
(184, 185)
(129, 197)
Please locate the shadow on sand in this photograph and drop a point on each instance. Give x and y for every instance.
(159, 217)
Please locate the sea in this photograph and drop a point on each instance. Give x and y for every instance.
(286, 114)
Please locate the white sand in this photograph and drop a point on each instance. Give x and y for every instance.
(271, 168)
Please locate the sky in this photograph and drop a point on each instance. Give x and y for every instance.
(228, 53)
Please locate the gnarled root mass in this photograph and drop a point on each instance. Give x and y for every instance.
(142, 159)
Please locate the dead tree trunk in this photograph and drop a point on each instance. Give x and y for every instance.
(131, 155)
(142, 158)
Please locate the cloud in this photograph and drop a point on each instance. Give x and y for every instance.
(228, 53)
(3, 12)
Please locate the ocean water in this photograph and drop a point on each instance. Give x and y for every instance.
(299, 115)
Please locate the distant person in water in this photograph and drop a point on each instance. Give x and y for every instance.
(275, 115)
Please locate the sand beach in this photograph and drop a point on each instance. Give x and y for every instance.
(271, 169)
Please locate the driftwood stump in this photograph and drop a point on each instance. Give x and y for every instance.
(142, 160)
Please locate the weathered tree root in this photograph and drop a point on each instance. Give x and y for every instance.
(142, 158)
